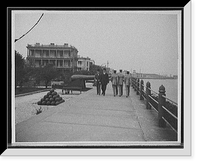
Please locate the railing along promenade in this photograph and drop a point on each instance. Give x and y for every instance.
(166, 108)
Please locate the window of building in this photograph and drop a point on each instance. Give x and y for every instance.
(60, 53)
(46, 52)
(79, 62)
(37, 53)
(61, 63)
(51, 53)
(66, 53)
(32, 52)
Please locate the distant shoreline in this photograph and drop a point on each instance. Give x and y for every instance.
(157, 78)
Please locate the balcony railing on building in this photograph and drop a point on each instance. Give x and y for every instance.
(49, 54)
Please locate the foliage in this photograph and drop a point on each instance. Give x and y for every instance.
(27, 75)
(46, 74)
(38, 111)
(19, 69)
(94, 68)
(66, 77)
(24, 72)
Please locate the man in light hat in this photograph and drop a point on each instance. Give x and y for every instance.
(114, 79)
(127, 82)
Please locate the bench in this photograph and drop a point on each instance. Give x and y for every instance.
(65, 89)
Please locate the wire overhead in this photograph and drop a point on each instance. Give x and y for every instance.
(30, 28)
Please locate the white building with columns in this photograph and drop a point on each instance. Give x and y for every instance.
(61, 56)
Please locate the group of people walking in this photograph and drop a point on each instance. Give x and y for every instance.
(101, 81)
(117, 79)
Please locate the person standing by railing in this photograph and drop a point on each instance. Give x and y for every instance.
(114, 79)
(120, 82)
(127, 82)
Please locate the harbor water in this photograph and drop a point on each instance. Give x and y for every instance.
(171, 87)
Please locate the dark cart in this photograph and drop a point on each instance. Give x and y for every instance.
(77, 83)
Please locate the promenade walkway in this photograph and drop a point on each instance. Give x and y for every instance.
(90, 117)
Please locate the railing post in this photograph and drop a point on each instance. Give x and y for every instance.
(138, 86)
(135, 87)
(132, 82)
(161, 102)
(148, 93)
(141, 89)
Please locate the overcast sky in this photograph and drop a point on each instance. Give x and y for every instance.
(128, 40)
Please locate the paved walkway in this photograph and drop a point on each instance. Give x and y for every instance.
(26, 105)
(90, 117)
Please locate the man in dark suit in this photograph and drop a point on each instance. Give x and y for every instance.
(120, 82)
(104, 81)
(97, 80)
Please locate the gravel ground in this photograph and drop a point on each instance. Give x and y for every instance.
(26, 106)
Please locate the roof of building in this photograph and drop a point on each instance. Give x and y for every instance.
(84, 58)
(51, 45)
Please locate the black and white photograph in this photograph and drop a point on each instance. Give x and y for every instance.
(98, 78)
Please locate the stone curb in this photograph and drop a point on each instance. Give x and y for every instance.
(30, 93)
